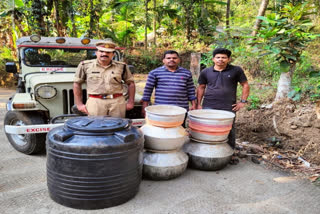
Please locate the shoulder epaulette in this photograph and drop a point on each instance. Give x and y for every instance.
(118, 62)
(87, 61)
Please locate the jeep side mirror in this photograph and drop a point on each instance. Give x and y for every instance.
(131, 68)
(11, 67)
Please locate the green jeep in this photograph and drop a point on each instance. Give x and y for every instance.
(44, 96)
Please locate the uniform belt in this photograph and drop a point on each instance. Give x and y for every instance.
(105, 96)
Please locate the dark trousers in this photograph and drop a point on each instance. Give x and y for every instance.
(232, 135)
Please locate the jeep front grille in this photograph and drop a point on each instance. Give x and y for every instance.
(68, 100)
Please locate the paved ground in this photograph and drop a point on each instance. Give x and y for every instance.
(244, 188)
(4, 95)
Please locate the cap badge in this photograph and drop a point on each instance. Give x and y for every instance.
(109, 46)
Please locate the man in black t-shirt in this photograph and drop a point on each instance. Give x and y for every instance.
(218, 86)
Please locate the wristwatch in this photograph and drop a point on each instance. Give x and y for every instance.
(243, 101)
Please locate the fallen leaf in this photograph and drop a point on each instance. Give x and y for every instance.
(259, 182)
(285, 179)
(314, 178)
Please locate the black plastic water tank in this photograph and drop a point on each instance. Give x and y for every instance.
(94, 162)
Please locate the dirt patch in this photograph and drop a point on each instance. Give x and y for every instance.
(140, 82)
(287, 134)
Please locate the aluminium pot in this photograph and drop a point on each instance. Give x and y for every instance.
(209, 157)
(209, 136)
(210, 124)
(165, 115)
(164, 165)
(194, 140)
(164, 139)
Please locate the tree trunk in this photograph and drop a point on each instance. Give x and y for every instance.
(188, 11)
(74, 28)
(262, 10)
(202, 22)
(318, 109)
(195, 64)
(43, 24)
(146, 26)
(228, 17)
(284, 83)
(38, 18)
(20, 27)
(91, 22)
(10, 41)
(58, 19)
(126, 37)
(13, 21)
(154, 22)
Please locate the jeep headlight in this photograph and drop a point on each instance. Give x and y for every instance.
(46, 91)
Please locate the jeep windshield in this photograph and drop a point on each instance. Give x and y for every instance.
(56, 57)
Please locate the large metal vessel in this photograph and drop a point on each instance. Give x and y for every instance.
(164, 165)
(210, 124)
(165, 115)
(94, 162)
(164, 139)
(208, 156)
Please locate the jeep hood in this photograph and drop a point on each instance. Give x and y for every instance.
(33, 80)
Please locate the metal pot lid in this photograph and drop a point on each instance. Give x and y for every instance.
(97, 124)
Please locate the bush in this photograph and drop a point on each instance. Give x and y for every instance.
(6, 79)
(146, 61)
(143, 61)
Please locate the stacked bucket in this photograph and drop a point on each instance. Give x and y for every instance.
(208, 148)
(164, 138)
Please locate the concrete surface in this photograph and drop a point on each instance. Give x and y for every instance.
(4, 96)
(244, 188)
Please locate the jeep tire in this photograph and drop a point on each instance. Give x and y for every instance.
(25, 143)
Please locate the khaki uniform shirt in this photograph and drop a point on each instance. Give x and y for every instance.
(103, 80)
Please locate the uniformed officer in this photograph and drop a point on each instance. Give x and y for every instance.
(104, 78)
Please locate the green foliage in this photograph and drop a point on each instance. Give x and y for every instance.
(285, 34)
(313, 87)
(238, 47)
(254, 102)
(124, 21)
(18, 3)
(5, 56)
(306, 82)
(36, 14)
(295, 94)
(242, 54)
(206, 59)
(145, 62)
(305, 90)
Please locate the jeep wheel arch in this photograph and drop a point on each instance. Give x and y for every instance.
(28, 143)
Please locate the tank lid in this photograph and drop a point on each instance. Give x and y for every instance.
(97, 124)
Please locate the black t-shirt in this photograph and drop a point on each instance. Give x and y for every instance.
(221, 87)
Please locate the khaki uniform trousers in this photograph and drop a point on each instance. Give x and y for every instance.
(113, 107)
